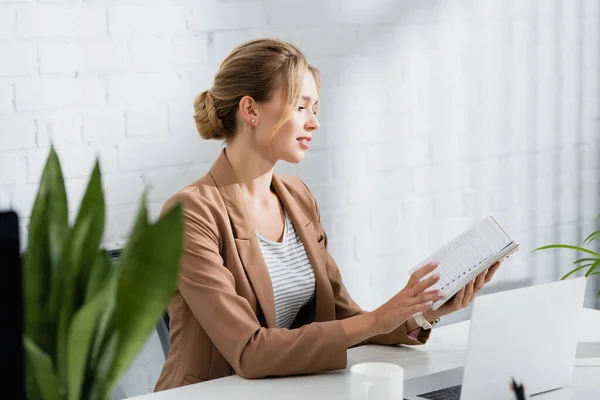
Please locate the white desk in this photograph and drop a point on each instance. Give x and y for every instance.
(445, 350)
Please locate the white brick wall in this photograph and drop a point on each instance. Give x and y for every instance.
(433, 114)
(58, 20)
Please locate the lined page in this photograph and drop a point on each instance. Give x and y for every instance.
(467, 251)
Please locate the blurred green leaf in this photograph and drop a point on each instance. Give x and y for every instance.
(43, 371)
(106, 328)
(79, 253)
(147, 281)
(74, 329)
(593, 236)
(136, 236)
(101, 270)
(100, 353)
(567, 246)
(45, 238)
(58, 209)
(105, 360)
(80, 337)
(33, 391)
(92, 206)
(108, 325)
(66, 298)
(575, 270)
(584, 260)
(592, 268)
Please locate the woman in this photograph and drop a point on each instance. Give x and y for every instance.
(259, 295)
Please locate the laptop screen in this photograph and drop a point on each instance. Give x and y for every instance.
(12, 371)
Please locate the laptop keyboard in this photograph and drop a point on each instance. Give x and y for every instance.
(449, 393)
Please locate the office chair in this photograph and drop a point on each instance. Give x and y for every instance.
(143, 373)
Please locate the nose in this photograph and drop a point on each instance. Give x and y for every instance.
(313, 123)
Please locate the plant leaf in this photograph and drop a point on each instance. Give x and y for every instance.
(593, 236)
(66, 297)
(33, 391)
(41, 257)
(42, 370)
(103, 365)
(584, 260)
(103, 269)
(80, 337)
(592, 268)
(85, 236)
(567, 246)
(80, 251)
(575, 270)
(137, 231)
(99, 273)
(92, 206)
(147, 281)
(105, 338)
(58, 209)
(105, 329)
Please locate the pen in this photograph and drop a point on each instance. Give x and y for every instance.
(518, 389)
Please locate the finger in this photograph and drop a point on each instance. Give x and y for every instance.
(421, 272)
(432, 291)
(480, 281)
(468, 293)
(430, 295)
(492, 271)
(459, 296)
(425, 284)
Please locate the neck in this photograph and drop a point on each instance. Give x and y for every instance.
(253, 171)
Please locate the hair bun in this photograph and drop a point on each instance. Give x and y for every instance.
(208, 123)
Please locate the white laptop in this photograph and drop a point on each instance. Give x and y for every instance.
(528, 334)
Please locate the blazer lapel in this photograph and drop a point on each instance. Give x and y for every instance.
(325, 304)
(249, 250)
(244, 232)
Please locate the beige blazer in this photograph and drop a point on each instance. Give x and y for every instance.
(223, 315)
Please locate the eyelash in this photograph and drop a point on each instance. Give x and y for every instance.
(304, 108)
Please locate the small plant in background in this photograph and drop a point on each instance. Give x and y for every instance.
(85, 317)
(591, 261)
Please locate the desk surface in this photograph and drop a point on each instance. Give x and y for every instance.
(445, 349)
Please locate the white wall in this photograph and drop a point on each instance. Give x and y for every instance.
(434, 114)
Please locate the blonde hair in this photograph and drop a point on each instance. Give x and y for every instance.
(256, 69)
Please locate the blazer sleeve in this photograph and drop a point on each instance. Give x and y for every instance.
(253, 351)
(346, 307)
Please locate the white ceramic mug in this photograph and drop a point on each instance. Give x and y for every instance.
(376, 381)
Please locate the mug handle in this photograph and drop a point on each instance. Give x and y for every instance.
(365, 390)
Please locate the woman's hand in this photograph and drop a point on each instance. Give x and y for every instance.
(414, 297)
(463, 297)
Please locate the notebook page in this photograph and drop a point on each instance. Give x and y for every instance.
(467, 251)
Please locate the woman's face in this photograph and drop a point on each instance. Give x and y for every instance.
(292, 140)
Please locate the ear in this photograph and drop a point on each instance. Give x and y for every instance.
(249, 110)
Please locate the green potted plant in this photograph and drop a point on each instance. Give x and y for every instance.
(86, 317)
(591, 261)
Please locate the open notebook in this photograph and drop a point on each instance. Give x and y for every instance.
(470, 253)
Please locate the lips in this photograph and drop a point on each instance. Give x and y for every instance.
(303, 141)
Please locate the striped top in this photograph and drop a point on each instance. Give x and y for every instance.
(291, 273)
